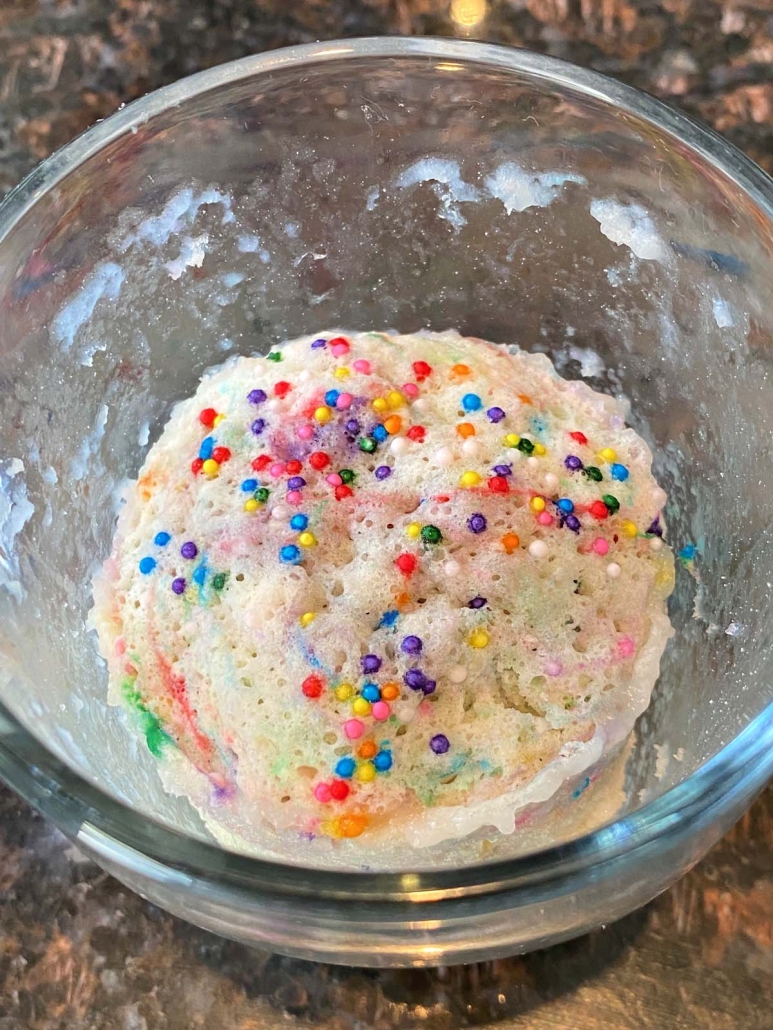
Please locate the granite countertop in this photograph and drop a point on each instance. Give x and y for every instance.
(80, 952)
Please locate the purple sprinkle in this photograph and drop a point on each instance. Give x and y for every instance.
(321, 342)
(439, 743)
(258, 426)
(573, 463)
(296, 483)
(429, 687)
(383, 472)
(477, 602)
(370, 663)
(189, 549)
(655, 527)
(415, 679)
(352, 426)
(256, 396)
(495, 414)
(411, 645)
(573, 523)
(503, 470)
(178, 585)
(477, 523)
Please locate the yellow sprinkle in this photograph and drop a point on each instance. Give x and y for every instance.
(307, 540)
(607, 454)
(414, 530)
(323, 414)
(379, 404)
(628, 527)
(512, 440)
(360, 706)
(538, 504)
(393, 424)
(307, 618)
(395, 399)
(251, 505)
(210, 467)
(540, 449)
(468, 479)
(342, 372)
(366, 772)
(479, 638)
(218, 419)
(344, 691)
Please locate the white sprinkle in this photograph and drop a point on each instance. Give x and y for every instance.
(656, 544)
(399, 445)
(452, 568)
(277, 404)
(550, 480)
(420, 404)
(659, 496)
(457, 673)
(405, 712)
(281, 511)
(613, 570)
(444, 457)
(532, 462)
(470, 448)
(538, 549)
(515, 456)
(304, 375)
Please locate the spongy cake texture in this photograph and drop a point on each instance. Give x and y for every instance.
(375, 584)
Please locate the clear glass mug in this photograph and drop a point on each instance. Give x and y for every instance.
(390, 183)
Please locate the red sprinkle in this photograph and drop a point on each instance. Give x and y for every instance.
(442, 498)
(292, 468)
(422, 369)
(207, 417)
(282, 389)
(498, 484)
(416, 433)
(343, 491)
(599, 510)
(579, 437)
(196, 465)
(339, 341)
(319, 460)
(339, 790)
(312, 686)
(221, 454)
(407, 563)
(261, 462)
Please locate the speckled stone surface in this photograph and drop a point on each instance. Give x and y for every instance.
(80, 952)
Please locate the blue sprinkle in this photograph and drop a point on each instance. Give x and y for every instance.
(371, 692)
(290, 554)
(162, 539)
(200, 574)
(565, 505)
(345, 768)
(299, 522)
(249, 485)
(147, 565)
(379, 433)
(207, 446)
(331, 397)
(688, 552)
(383, 761)
(619, 472)
(321, 342)
(583, 786)
(472, 402)
(388, 619)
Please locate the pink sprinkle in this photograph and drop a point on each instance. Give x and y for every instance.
(339, 349)
(545, 518)
(294, 496)
(344, 401)
(380, 711)
(425, 708)
(600, 545)
(130, 669)
(410, 390)
(322, 793)
(120, 646)
(363, 366)
(626, 647)
(334, 479)
(277, 469)
(305, 432)
(353, 728)
(554, 668)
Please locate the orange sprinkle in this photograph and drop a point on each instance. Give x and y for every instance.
(461, 370)
(351, 825)
(511, 542)
(402, 599)
(390, 692)
(367, 750)
(393, 424)
(465, 429)
(525, 399)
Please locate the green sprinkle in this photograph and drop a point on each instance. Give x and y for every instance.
(592, 473)
(367, 444)
(611, 502)
(347, 476)
(431, 535)
(218, 581)
(275, 355)
(525, 446)
(261, 495)
(155, 736)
